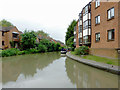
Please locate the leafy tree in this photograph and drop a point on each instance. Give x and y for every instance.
(70, 31)
(70, 42)
(5, 23)
(42, 48)
(28, 40)
(58, 46)
(41, 32)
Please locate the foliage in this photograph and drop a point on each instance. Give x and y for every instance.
(83, 50)
(41, 32)
(5, 23)
(28, 40)
(70, 31)
(21, 53)
(58, 47)
(9, 52)
(42, 48)
(70, 43)
(12, 44)
(51, 46)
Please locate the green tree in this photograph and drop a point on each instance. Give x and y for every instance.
(28, 40)
(5, 23)
(41, 32)
(70, 31)
(70, 42)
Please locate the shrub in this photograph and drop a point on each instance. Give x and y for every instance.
(9, 52)
(21, 53)
(33, 50)
(42, 48)
(83, 50)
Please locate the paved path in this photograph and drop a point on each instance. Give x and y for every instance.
(106, 67)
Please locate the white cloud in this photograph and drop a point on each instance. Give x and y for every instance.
(53, 16)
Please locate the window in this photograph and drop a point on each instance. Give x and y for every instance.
(2, 33)
(97, 19)
(111, 34)
(80, 28)
(3, 43)
(15, 35)
(80, 40)
(97, 3)
(110, 13)
(97, 37)
(85, 24)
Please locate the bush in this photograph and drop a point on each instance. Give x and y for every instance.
(21, 52)
(33, 50)
(9, 52)
(83, 50)
(42, 48)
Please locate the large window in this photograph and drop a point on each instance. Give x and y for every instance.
(97, 3)
(97, 19)
(110, 13)
(97, 37)
(111, 34)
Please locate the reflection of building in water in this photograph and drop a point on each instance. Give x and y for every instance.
(87, 77)
(27, 65)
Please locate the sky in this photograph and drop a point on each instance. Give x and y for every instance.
(51, 16)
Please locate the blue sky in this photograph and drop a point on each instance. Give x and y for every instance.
(51, 16)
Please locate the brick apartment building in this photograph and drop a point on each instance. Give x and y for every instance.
(103, 27)
(9, 37)
(76, 37)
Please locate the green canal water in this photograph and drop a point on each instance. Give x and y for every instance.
(50, 70)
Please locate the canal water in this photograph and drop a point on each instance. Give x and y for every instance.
(50, 70)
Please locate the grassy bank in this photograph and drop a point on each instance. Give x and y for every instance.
(99, 59)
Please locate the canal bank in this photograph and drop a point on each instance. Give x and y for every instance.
(106, 67)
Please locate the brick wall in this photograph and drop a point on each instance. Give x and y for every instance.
(9, 37)
(105, 48)
(77, 32)
(119, 23)
(0, 40)
(104, 25)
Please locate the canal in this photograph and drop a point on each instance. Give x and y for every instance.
(50, 70)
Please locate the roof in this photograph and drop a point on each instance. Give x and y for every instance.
(6, 28)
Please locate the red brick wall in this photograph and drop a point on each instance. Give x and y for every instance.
(0, 39)
(8, 37)
(119, 23)
(104, 25)
(77, 32)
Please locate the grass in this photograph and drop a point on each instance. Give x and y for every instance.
(100, 59)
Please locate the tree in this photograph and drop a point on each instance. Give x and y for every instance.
(28, 40)
(41, 32)
(5, 23)
(70, 31)
(70, 42)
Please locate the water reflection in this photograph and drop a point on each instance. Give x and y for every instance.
(51, 70)
(27, 65)
(84, 76)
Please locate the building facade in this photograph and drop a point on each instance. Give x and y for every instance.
(76, 35)
(9, 37)
(100, 27)
(105, 28)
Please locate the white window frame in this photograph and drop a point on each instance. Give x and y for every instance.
(97, 19)
(97, 3)
(111, 13)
